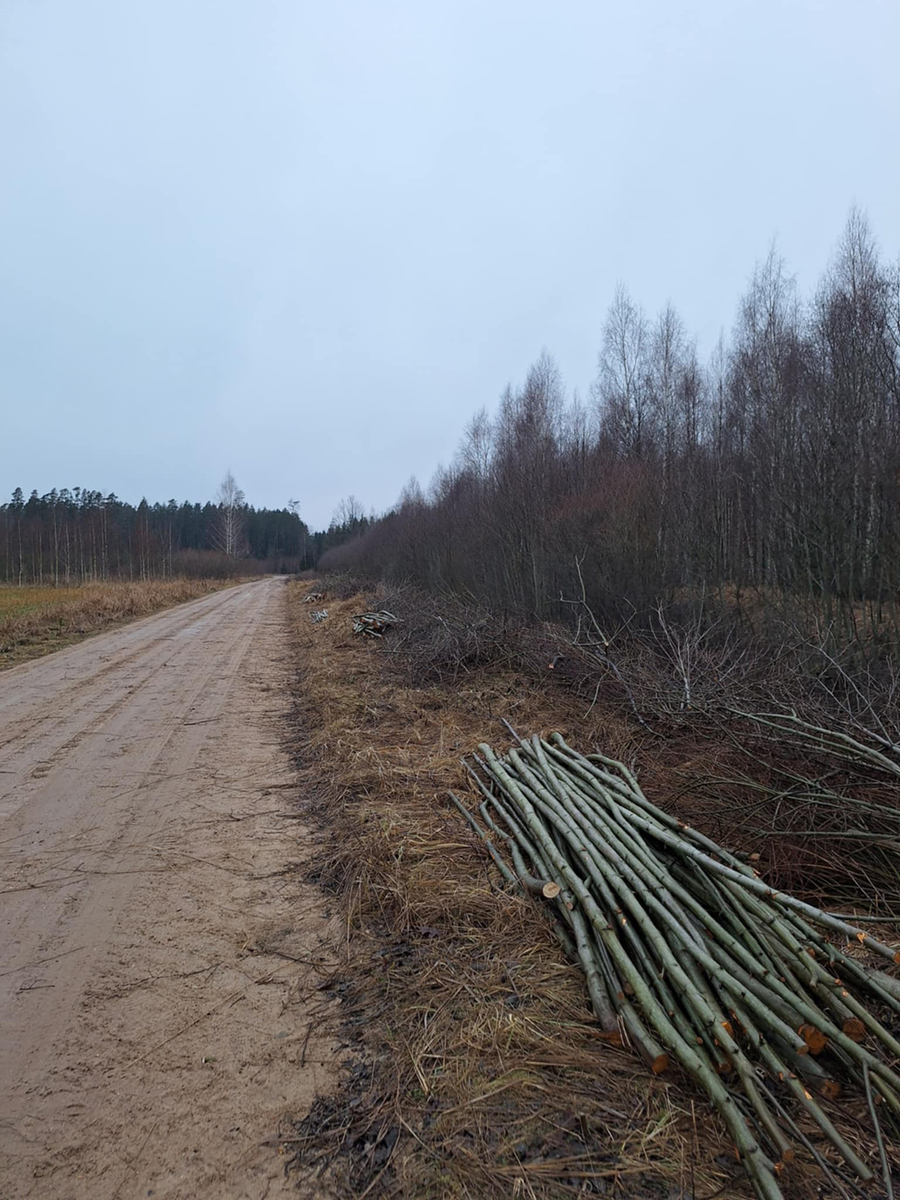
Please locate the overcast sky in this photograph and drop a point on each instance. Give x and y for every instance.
(308, 240)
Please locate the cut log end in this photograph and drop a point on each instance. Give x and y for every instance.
(815, 1039)
(659, 1064)
(550, 890)
(613, 1037)
(854, 1029)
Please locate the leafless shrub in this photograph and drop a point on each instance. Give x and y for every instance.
(443, 636)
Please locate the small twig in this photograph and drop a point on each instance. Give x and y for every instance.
(40, 961)
(134, 1160)
(233, 998)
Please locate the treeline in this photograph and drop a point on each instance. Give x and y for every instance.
(348, 523)
(766, 480)
(79, 535)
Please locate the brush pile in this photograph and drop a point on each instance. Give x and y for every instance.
(374, 624)
(319, 615)
(769, 1003)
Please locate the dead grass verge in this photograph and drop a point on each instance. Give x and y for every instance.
(476, 1069)
(37, 620)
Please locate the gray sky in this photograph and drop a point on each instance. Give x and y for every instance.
(309, 240)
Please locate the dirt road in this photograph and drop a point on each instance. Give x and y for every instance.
(158, 950)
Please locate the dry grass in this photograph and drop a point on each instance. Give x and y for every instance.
(478, 1071)
(36, 620)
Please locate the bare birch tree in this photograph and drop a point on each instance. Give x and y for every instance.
(228, 527)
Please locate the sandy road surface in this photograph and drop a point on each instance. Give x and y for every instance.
(158, 950)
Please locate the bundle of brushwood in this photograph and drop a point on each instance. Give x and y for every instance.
(374, 624)
(319, 615)
(313, 597)
(769, 1003)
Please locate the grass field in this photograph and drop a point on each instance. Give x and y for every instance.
(37, 620)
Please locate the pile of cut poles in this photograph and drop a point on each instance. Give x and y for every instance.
(319, 615)
(313, 597)
(374, 624)
(767, 1002)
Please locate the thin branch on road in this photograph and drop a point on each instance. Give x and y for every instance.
(40, 961)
